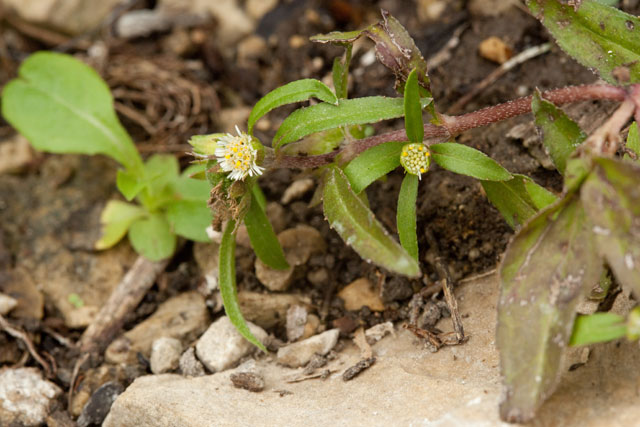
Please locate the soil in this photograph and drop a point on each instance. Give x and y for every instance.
(60, 197)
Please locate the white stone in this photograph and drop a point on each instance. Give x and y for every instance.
(299, 354)
(222, 346)
(25, 397)
(165, 354)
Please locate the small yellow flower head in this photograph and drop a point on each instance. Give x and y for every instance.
(239, 155)
(415, 158)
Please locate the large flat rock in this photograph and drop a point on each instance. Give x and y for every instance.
(406, 386)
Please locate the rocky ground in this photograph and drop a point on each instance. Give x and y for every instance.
(183, 68)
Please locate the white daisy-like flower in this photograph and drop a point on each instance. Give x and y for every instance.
(415, 158)
(238, 155)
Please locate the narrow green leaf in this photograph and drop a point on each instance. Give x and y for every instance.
(600, 37)
(412, 109)
(597, 327)
(340, 72)
(372, 164)
(189, 219)
(316, 118)
(633, 142)
(263, 239)
(406, 216)
(549, 265)
(337, 37)
(259, 196)
(468, 161)
(116, 218)
(227, 283)
(560, 134)
(517, 199)
(611, 197)
(356, 224)
(152, 238)
(63, 106)
(297, 91)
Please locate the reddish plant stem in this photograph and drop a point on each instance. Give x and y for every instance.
(455, 125)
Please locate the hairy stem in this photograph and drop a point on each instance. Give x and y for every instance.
(455, 125)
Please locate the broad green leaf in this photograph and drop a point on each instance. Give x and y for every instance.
(187, 188)
(468, 161)
(297, 91)
(600, 37)
(337, 37)
(560, 134)
(263, 239)
(355, 223)
(152, 238)
(372, 164)
(549, 265)
(611, 196)
(633, 142)
(227, 283)
(340, 72)
(406, 215)
(577, 170)
(326, 141)
(160, 170)
(130, 184)
(189, 218)
(412, 109)
(63, 106)
(517, 199)
(317, 118)
(597, 327)
(116, 218)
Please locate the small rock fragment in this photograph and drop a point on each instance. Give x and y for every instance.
(222, 346)
(296, 190)
(494, 49)
(377, 332)
(19, 285)
(15, 154)
(299, 244)
(296, 321)
(97, 408)
(165, 355)
(299, 353)
(359, 293)
(248, 380)
(184, 317)
(311, 327)
(318, 277)
(25, 397)
(355, 370)
(7, 304)
(268, 309)
(190, 366)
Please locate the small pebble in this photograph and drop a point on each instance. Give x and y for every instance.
(165, 355)
(248, 380)
(300, 353)
(190, 366)
(98, 406)
(356, 369)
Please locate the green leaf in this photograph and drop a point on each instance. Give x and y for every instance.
(372, 164)
(340, 72)
(227, 283)
(633, 142)
(190, 219)
(560, 134)
(130, 184)
(187, 188)
(597, 327)
(326, 141)
(263, 239)
(337, 37)
(205, 144)
(517, 199)
(600, 37)
(465, 160)
(297, 91)
(316, 118)
(63, 106)
(356, 224)
(612, 200)
(160, 170)
(116, 218)
(412, 109)
(152, 238)
(406, 216)
(549, 265)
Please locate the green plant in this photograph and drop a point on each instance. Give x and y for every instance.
(563, 242)
(63, 106)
